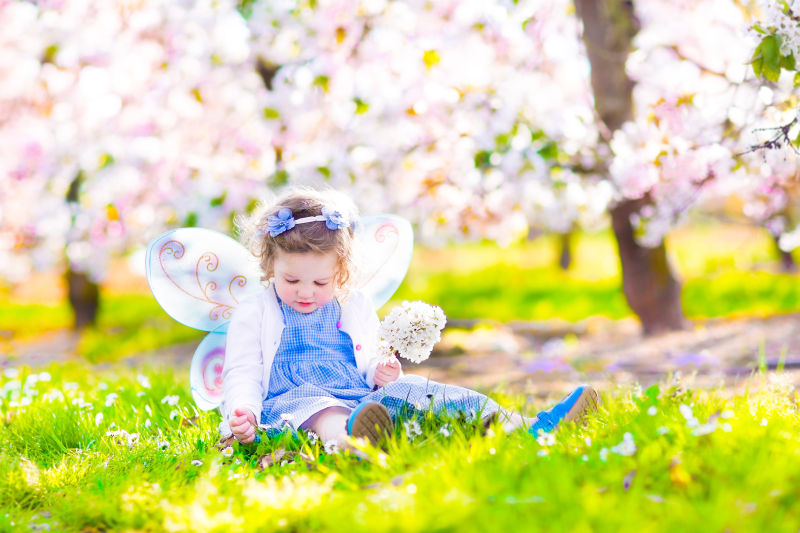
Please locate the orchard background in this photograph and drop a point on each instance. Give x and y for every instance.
(600, 191)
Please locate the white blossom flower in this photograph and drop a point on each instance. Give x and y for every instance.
(410, 330)
(44, 376)
(147, 408)
(163, 445)
(173, 414)
(133, 439)
(603, 454)
(143, 380)
(147, 423)
(98, 419)
(652, 410)
(197, 462)
(228, 451)
(312, 437)
(588, 441)
(445, 430)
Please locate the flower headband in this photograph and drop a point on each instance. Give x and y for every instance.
(284, 221)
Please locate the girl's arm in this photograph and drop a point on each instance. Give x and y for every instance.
(243, 371)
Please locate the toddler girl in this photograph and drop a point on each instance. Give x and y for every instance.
(303, 352)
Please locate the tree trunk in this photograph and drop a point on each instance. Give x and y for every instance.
(565, 257)
(83, 293)
(648, 283)
(788, 264)
(653, 293)
(84, 297)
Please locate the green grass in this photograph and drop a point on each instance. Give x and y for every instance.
(725, 271)
(701, 460)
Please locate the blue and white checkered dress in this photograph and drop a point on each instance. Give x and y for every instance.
(315, 368)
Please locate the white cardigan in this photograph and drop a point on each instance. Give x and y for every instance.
(253, 338)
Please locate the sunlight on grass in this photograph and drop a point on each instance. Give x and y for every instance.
(89, 450)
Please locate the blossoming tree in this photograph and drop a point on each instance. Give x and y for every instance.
(118, 119)
(479, 119)
(472, 118)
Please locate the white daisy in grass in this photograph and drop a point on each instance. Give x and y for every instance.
(147, 423)
(98, 419)
(331, 447)
(143, 380)
(627, 447)
(111, 398)
(545, 439)
(445, 430)
(163, 445)
(228, 451)
(173, 414)
(412, 428)
(197, 462)
(170, 399)
(312, 438)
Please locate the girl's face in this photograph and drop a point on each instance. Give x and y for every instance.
(305, 281)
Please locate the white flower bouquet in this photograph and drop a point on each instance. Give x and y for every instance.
(410, 330)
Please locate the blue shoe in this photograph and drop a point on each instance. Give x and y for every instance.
(369, 420)
(572, 408)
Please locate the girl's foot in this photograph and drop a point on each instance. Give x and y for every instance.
(573, 408)
(369, 420)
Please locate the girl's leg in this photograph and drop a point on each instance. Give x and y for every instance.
(330, 424)
(513, 421)
(412, 394)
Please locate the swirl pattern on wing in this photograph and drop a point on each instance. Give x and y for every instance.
(208, 262)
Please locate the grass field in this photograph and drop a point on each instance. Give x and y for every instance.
(98, 451)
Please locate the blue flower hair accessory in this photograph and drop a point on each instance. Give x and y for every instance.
(284, 221)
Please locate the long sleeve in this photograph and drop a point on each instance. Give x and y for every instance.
(243, 371)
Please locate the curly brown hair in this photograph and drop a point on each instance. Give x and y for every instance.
(311, 237)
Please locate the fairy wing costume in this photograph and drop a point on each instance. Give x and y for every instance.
(199, 276)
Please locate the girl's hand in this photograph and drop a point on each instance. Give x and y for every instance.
(387, 371)
(243, 425)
